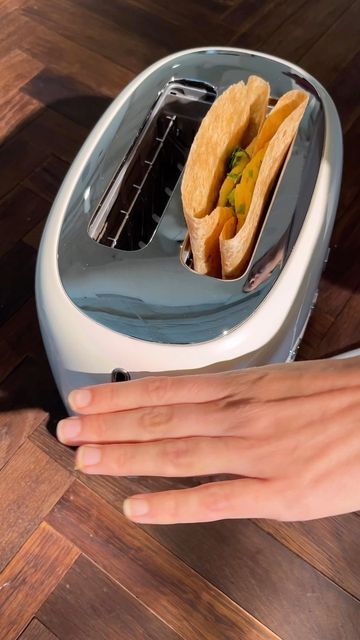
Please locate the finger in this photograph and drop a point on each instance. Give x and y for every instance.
(149, 392)
(272, 382)
(153, 423)
(248, 498)
(184, 457)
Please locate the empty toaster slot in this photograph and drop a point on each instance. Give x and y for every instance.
(132, 207)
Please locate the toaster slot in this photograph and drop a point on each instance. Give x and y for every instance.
(132, 207)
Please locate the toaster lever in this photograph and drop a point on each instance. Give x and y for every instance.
(120, 375)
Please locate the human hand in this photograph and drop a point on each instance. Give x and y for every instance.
(291, 431)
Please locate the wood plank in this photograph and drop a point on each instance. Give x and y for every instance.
(332, 545)
(16, 109)
(71, 98)
(145, 20)
(11, 32)
(31, 576)
(17, 268)
(254, 569)
(343, 335)
(149, 572)
(19, 213)
(8, 359)
(30, 485)
(15, 426)
(242, 15)
(345, 233)
(340, 282)
(69, 57)
(30, 386)
(185, 14)
(88, 605)
(22, 336)
(274, 570)
(18, 158)
(36, 631)
(350, 187)
(296, 35)
(330, 54)
(319, 323)
(269, 16)
(345, 91)
(54, 134)
(94, 33)
(29, 399)
(16, 69)
(34, 236)
(46, 179)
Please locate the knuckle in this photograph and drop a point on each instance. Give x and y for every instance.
(216, 498)
(97, 428)
(170, 506)
(157, 388)
(118, 459)
(153, 419)
(177, 456)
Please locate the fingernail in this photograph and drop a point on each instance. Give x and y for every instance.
(88, 456)
(80, 398)
(68, 429)
(133, 507)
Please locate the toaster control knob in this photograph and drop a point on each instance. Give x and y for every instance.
(120, 375)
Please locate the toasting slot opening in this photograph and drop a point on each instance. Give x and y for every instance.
(132, 206)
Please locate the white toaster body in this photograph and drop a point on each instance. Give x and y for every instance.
(106, 306)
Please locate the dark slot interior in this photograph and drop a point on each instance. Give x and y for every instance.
(145, 181)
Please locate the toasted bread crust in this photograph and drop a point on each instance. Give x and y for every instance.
(236, 249)
(220, 131)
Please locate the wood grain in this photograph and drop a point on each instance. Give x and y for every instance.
(329, 544)
(16, 69)
(149, 572)
(330, 54)
(61, 63)
(31, 576)
(19, 213)
(73, 99)
(144, 22)
(88, 605)
(21, 334)
(345, 91)
(261, 23)
(17, 268)
(297, 35)
(36, 631)
(66, 136)
(15, 109)
(277, 576)
(95, 33)
(30, 484)
(68, 57)
(46, 180)
(18, 158)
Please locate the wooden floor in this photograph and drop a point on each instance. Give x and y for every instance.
(72, 567)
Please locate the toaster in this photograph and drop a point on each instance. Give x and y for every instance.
(117, 295)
